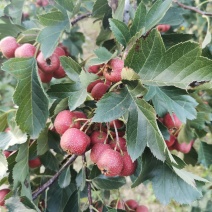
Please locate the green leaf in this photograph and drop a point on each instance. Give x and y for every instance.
(170, 99)
(120, 31)
(14, 204)
(117, 9)
(186, 134)
(73, 204)
(178, 66)
(3, 165)
(29, 95)
(50, 35)
(100, 7)
(28, 36)
(14, 10)
(108, 183)
(204, 154)
(66, 4)
(164, 178)
(9, 29)
(50, 161)
(71, 68)
(112, 106)
(64, 178)
(42, 142)
(103, 56)
(3, 121)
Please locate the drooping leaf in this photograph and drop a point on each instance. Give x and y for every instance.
(29, 95)
(3, 165)
(28, 36)
(64, 178)
(55, 22)
(170, 99)
(178, 66)
(108, 183)
(42, 142)
(164, 178)
(100, 8)
(14, 10)
(204, 154)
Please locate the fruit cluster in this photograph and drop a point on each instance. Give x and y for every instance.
(174, 125)
(106, 142)
(47, 67)
(129, 205)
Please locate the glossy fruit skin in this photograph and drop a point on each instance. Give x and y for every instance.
(142, 208)
(3, 193)
(173, 125)
(97, 150)
(99, 90)
(45, 77)
(122, 144)
(131, 204)
(171, 141)
(112, 70)
(74, 141)
(49, 64)
(92, 84)
(163, 27)
(25, 50)
(8, 45)
(110, 163)
(35, 163)
(65, 120)
(183, 147)
(129, 167)
(98, 137)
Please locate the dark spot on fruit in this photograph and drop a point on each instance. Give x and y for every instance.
(48, 61)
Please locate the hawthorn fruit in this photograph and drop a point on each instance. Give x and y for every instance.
(35, 163)
(129, 167)
(25, 50)
(3, 193)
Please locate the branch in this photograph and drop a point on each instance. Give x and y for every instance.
(80, 18)
(192, 8)
(42, 188)
(88, 183)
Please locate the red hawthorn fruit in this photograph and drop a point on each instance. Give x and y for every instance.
(112, 71)
(131, 205)
(3, 193)
(95, 69)
(74, 141)
(8, 45)
(49, 64)
(129, 167)
(7, 153)
(122, 144)
(59, 51)
(98, 137)
(110, 163)
(142, 208)
(92, 84)
(172, 123)
(97, 150)
(183, 147)
(118, 204)
(45, 77)
(25, 50)
(99, 90)
(171, 141)
(80, 115)
(59, 73)
(67, 53)
(34, 163)
(163, 27)
(65, 120)
(119, 124)
(42, 3)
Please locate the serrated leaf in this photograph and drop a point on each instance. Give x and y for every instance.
(208, 36)
(14, 10)
(64, 178)
(3, 121)
(112, 106)
(14, 204)
(9, 29)
(186, 134)
(3, 165)
(86, 78)
(100, 7)
(28, 36)
(49, 36)
(120, 31)
(204, 154)
(179, 66)
(71, 68)
(29, 95)
(170, 99)
(103, 56)
(117, 9)
(50, 161)
(42, 142)
(164, 179)
(129, 74)
(108, 183)
(66, 4)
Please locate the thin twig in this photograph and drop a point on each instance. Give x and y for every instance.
(42, 188)
(80, 18)
(88, 184)
(192, 8)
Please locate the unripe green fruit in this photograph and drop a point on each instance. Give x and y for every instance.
(8, 45)
(25, 50)
(110, 163)
(74, 141)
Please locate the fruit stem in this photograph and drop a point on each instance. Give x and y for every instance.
(117, 138)
(46, 185)
(88, 120)
(116, 84)
(37, 49)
